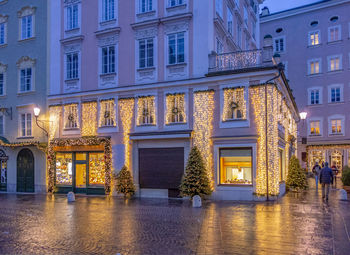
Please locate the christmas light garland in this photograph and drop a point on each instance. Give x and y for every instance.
(234, 100)
(175, 108)
(89, 119)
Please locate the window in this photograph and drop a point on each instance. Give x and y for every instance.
(229, 21)
(108, 10)
(279, 30)
(234, 104)
(145, 6)
(247, 42)
(26, 80)
(281, 164)
(334, 63)
(71, 116)
(175, 108)
(236, 166)
(245, 13)
(336, 126)
(173, 3)
(146, 53)
(314, 23)
(2, 125)
(335, 94)
(315, 96)
(64, 168)
(334, 34)
(279, 44)
(146, 114)
(239, 35)
(107, 113)
(314, 66)
(176, 47)
(27, 27)
(254, 29)
(219, 46)
(314, 38)
(108, 60)
(2, 33)
(219, 8)
(72, 16)
(72, 62)
(2, 84)
(315, 128)
(26, 124)
(334, 19)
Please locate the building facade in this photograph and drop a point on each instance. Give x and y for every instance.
(23, 86)
(138, 83)
(313, 43)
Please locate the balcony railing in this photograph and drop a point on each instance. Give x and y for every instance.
(236, 60)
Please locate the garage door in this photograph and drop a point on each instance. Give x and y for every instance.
(161, 168)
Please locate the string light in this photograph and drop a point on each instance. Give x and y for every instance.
(234, 96)
(203, 127)
(89, 121)
(107, 113)
(238, 60)
(71, 119)
(55, 114)
(146, 114)
(126, 108)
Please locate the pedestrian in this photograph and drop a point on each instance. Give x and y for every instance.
(326, 177)
(316, 171)
(335, 172)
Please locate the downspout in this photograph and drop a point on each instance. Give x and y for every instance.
(280, 67)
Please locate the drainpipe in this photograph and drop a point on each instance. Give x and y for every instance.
(280, 68)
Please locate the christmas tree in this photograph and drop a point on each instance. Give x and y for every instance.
(195, 180)
(124, 182)
(296, 179)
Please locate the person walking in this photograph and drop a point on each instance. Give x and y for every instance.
(335, 172)
(326, 177)
(316, 171)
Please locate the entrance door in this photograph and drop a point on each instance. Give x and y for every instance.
(3, 171)
(161, 168)
(80, 172)
(25, 171)
(336, 159)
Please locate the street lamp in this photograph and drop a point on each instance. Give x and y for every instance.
(36, 114)
(303, 115)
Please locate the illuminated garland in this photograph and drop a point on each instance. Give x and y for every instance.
(107, 111)
(89, 121)
(146, 109)
(55, 114)
(234, 99)
(175, 105)
(82, 141)
(203, 127)
(71, 115)
(126, 110)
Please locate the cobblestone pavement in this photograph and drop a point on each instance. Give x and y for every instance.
(296, 224)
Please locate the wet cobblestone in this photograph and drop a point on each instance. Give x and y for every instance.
(296, 224)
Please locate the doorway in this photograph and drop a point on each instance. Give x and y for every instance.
(3, 171)
(25, 171)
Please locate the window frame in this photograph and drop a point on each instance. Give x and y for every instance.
(149, 6)
(110, 10)
(67, 124)
(310, 40)
(219, 8)
(313, 61)
(341, 96)
(69, 20)
(279, 38)
(177, 3)
(111, 60)
(27, 120)
(147, 58)
(4, 33)
(25, 78)
(230, 26)
(333, 57)
(2, 124)
(140, 124)
(339, 33)
(336, 117)
(112, 109)
(315, 119)
(315, 127)
(176, 34)
(26, 35)
(67, 70)
(3, 73)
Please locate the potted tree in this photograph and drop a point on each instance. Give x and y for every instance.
(345, 178)
(195, 182)
(296, 179)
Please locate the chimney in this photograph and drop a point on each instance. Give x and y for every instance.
(267, 49)
(265, 12)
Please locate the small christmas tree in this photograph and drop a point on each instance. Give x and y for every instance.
(124, 182)
(195, 180)
(296, 179)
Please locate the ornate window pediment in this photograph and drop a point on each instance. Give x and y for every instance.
(3, 68)
(146, 114)
(26, 11)
(25, 62)
(234, 104)
(3, 18)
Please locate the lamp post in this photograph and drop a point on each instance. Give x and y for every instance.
(303, 116)
(36, 114)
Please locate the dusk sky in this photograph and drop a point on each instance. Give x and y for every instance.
(280, 5)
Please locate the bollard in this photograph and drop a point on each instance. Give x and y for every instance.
(196, 201)
(343, 195)
(71, 196)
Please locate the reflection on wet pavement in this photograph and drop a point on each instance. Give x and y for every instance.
(297, 224)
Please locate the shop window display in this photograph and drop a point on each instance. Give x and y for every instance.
(64, 168)
(236, 166)
(96, 169)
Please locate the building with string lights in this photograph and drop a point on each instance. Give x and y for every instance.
(312, 42)
(138, 83)
(23, 86)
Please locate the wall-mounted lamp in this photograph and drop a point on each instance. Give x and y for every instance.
(36, 114)
(303, 115)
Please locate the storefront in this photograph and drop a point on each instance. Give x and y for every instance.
(3, 169)
(81, 165)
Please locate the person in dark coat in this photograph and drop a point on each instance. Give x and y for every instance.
(326, 178)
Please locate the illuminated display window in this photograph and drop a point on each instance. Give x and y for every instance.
(96, 169)
(236, 166)
(64, 169)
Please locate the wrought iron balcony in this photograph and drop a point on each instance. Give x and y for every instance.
(237, 60)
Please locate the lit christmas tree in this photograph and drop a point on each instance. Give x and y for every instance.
(296, 179)
(124, 182)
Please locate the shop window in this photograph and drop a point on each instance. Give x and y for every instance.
(236, 166)
(64, 169)
(175, 108)
(96, 169)
(234, 104)
(146, 114)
